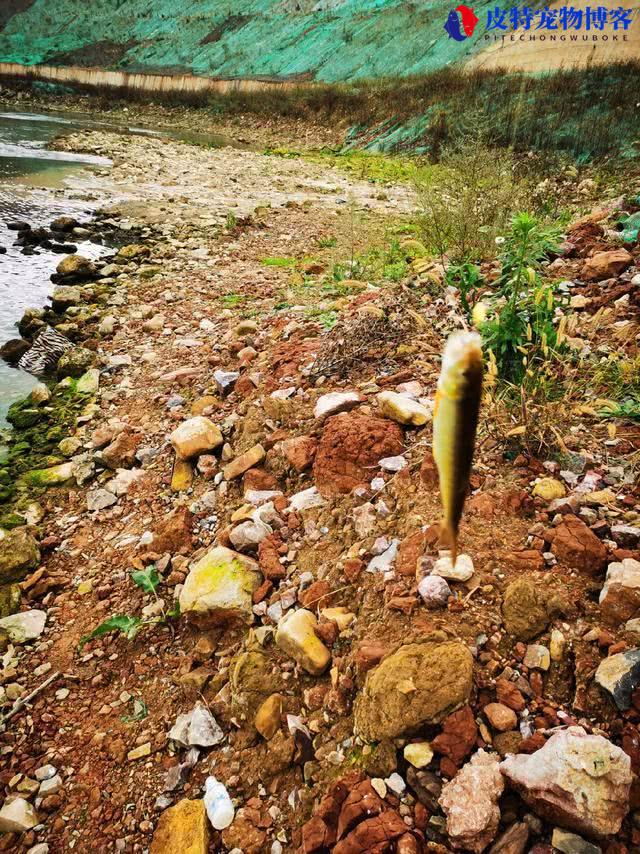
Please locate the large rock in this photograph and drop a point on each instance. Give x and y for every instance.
(350, 448)
(296, 637)
(74, 362)
(17, 816)
(619, 675)
(24, 626)
(121, 453)
(19, 554)
(419, 684)
(620, 596)
(403, 409)
(606, 265)
(196, 436)
(76, 266)
(524, 609)
(576, 546)
(580, 782)
(182, 828)
(221, 585)
(470, 802)
(64, 296)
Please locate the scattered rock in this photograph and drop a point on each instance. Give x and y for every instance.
(296, 637)
(419, 754)
(336, 401)
(571, 843)
(196, 436)
(221, 585)
(462, 570)
(501, 717)
(618, 674)
(243, 463)
(578, 781)
(434, 591)
(416, 685)
(470, 802)
(403, 409)
(76, 266)
(548, 488)
(24, 626)
(267, 719)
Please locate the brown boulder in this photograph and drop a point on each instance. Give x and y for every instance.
(575, 545)
(269, 557)
(350, 448)
(121, 453)
(606, 265)
(362, 802)
(509, 695)
(528, 560)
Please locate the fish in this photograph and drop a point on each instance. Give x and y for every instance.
(455, 421)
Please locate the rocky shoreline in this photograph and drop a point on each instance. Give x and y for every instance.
(220, 548)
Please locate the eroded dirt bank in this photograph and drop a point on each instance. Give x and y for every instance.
(348, 683)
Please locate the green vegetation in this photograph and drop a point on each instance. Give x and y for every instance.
(129, 626)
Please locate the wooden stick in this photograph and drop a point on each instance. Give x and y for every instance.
(23, 701)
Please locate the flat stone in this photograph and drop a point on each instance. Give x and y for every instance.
(571, 843)
(537, 657)
(524, 609)
(296, 637)
(183, 828)
(267, 719)
(418, 684)
(336, 401)
(24, 626)
(461, 571)
(244, 462)
(100, 499)
(17, 816)
(403, 409)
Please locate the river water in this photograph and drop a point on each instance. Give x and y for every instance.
(33, 188)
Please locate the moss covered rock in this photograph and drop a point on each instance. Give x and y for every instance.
(524, 609)
(420, 683)
(220, 585)
(19, 554)
(75, 362)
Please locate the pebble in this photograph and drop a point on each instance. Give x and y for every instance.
(462, 571)
(537, 657)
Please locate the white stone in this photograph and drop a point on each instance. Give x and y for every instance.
(626, 573)
(392, 464)
(24, 626)
(395, 783)
(124, 480)
(50, 786)
(434, 591)
(384, 561)
(17, 816)
(403, 409)
(462, 571)
(197, 728)
(45, 772)
(100, 499)
(306, 500)
(336, 401)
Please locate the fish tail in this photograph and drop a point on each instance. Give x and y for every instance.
(449, 536)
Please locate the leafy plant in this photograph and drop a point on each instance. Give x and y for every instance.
(279, 262)
(327, 242)
(468, 280)
(148, 580)
(629, 408)
(139, 711)
(231, 300)
(521, 332)
(231, 221)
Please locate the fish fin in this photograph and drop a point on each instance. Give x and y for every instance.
(449, 537)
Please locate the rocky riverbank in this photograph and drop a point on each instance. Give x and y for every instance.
(233, 485)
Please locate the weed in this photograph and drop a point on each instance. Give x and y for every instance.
(327, 242)
(127, 625)
(520, 332)
(279, 262)
(232, 300)
(231, 221)
(468, 280)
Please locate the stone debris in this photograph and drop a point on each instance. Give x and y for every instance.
(17, 816)
(296, 636)
(618, 674)
(334, 402)
(578, 781)
(403, 409)
(197, 728)
(196, 436)
(620, 596)
(470, 802)
(220, 585)
(24, 626)
(462, 570)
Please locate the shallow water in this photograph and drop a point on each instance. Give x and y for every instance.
(30, 182)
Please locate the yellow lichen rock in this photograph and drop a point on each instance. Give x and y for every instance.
(221, 584)
(267, 720)
(296, 637)
(548, 488)
(182, 829)
(182, 475)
